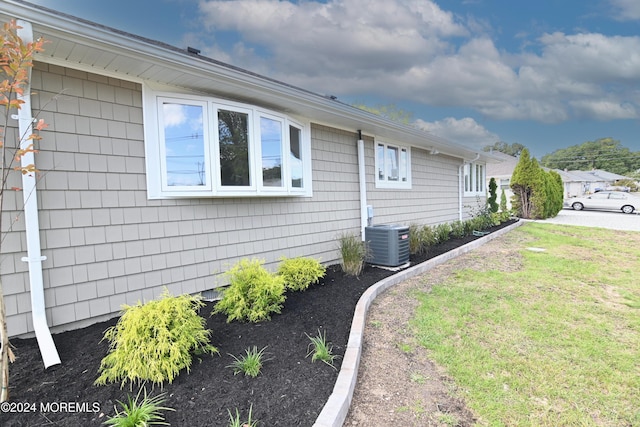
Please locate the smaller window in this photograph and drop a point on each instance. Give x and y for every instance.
(271, 137)
(393, 166)
(617, 196)
(474, 179)
(296, 165)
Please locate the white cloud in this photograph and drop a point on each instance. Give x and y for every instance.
(173, 115)
(341, 37)
(626, 10)
(605, 110)
(414, 50)
(466, 131)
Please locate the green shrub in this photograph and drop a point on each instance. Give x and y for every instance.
(353, 252)
(300, 273)
(253, 293)
(493, 196)
(428, 237)
(503, 201)
(457, 229)
(495, 218)
(442, 232)
(154, 341)
(469, 226)
(139, 413)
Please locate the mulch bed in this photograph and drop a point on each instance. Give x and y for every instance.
(290, 391)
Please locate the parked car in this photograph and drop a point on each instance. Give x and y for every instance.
(606, 200)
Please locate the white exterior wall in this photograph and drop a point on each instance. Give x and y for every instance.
(106, 244)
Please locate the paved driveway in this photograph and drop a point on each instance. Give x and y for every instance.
(613, 220)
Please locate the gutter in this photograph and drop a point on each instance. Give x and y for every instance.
(32, 227)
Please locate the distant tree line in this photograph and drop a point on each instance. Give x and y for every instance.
(604, 153)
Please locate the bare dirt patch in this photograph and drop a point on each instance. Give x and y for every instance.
(397, 382)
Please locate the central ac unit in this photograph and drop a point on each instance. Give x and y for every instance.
(388, 244)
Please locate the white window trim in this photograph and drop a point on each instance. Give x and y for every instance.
(207, 155)
(474, 185)
(157, 187)
(384, 183)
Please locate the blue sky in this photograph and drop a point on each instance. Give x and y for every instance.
(547, 74)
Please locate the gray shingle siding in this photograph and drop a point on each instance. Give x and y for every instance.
(106, 244)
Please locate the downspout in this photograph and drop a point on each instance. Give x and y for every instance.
(460, 188)
(32, 227)
(362, 178)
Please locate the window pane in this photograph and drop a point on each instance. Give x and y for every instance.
(271, 142)
(233, 133)
(380, 159)
(467, 177)
(404, 166)
(183, 144)
(479, 179)
(295, 139)
(392, 164)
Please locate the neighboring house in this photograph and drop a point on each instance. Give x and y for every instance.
(163, 168)
(576, 183)
(502, 172)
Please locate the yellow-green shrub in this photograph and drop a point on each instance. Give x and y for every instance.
(154, 341)
(300, 273)
(253, 293)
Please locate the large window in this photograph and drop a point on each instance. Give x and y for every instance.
(393, 166)
(208, 147)
(474, 179)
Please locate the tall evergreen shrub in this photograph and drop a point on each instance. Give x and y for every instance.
(493, 196)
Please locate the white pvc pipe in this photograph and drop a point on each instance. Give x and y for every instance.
(460, 189)
(34, 255)
(363, 188)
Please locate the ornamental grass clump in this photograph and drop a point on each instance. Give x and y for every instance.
(235, 421)
(415, 239)
(140, 413)
(353, 252)
(250, 363)
(155, 341)
(320, 350)
(253, 293)
(300, 273)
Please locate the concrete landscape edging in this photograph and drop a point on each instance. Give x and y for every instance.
(335, 410)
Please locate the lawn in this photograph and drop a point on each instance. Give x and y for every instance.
(553, 341)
